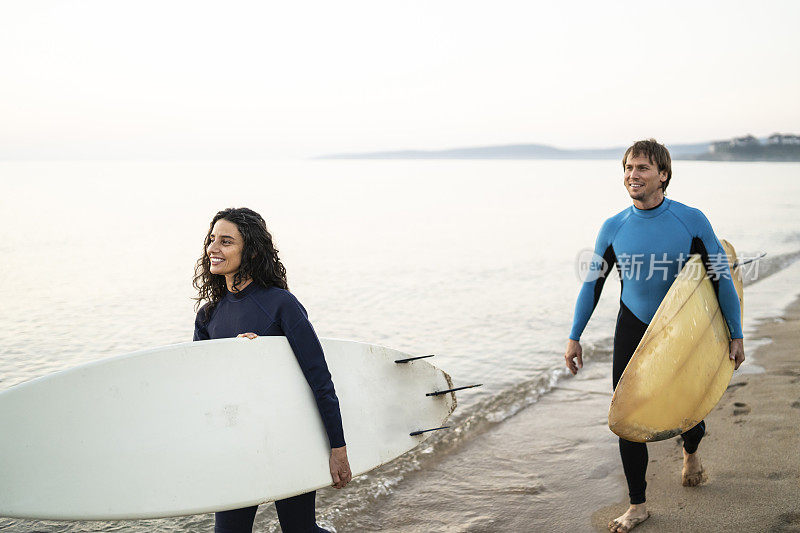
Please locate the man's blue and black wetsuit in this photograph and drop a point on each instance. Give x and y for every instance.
(276, 312)
(649, 247)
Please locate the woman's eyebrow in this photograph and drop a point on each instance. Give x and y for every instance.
(223, 236)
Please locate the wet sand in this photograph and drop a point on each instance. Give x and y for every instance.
(751, 452)
(551, 463)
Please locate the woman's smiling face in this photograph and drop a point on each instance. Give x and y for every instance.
(225, 249)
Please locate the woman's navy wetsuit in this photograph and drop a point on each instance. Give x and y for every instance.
(276, 312)
(649, 248)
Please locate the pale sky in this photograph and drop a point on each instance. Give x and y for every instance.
(240, 79)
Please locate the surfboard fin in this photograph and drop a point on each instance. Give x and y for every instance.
(746, 261)
(412, 359)
(415, 433)
(439, 392)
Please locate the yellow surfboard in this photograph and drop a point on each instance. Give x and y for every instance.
(682, 366)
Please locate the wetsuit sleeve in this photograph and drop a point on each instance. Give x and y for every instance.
(596, 278)
(717, 264)
(308, 351)
(200, 331)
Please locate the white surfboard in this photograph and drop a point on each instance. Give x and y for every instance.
(203, 426)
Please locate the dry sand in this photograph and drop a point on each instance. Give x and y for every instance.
(751, 452)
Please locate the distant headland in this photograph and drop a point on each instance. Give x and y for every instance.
(776, 147)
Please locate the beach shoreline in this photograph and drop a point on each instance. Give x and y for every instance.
(749, 452)
(555, 464)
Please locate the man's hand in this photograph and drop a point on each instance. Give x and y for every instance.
(340, 467)
(574, 356)
(737, 352)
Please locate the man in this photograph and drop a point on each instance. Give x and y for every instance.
(649, 241)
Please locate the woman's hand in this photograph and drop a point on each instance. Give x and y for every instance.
(248, 335)
(340, 467)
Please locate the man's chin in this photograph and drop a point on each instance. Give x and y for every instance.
(636, 195)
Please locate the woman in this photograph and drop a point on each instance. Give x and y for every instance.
(244, 285)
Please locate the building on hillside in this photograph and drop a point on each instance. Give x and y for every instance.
(738, 143)
(746, 141)
(784, 140)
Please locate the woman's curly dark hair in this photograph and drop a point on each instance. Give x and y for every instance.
(260, 260)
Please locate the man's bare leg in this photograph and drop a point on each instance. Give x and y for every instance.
(635, 515)
(693, 473)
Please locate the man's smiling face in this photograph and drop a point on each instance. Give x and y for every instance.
(643, 181)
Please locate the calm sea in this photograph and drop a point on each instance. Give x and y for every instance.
(474, 261)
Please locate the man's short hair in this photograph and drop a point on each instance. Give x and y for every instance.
(657, 154)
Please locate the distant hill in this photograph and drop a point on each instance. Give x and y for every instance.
(520, 151)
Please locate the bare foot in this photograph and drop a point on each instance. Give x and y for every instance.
(693, 473)
(635, 515)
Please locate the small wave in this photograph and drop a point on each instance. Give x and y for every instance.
(522, 489)
(477, 419)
